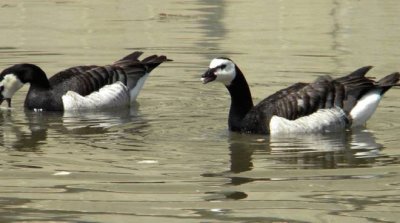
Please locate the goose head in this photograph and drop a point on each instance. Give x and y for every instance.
(14, 77)
(222, 70)
(9, 84)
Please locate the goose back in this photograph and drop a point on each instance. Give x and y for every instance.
(303, 99)
(82, 81)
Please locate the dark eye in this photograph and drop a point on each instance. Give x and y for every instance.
(1, 88)
(223, 66)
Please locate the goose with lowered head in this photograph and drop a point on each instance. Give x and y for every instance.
(81, 87)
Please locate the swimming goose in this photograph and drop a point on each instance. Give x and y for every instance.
(80, 87)
(324, 105)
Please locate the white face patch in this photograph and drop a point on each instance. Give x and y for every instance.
(226, 71)
(10, 84)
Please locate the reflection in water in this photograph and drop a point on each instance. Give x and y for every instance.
(246, 178)
(21, 137)
(241, 153)
(212, 26)
(344, 149)
(225, 195)
(30, 132)
(318, 151)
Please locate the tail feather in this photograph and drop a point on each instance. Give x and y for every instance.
(389, 81)
(153, 61)
(132, 65)
(350, 88)
(369, 101)
(359, 73)
(149, 59)
(133, 56)
(356, 79)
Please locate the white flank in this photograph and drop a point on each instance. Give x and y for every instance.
(134, 92)
(108, 96)
(324, 120)
(365, 108)
(11, 84)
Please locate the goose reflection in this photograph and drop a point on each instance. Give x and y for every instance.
(322, 151)
(19, 135)
(29, 132)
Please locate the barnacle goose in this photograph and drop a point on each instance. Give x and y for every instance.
(80, 87)
(324, 105)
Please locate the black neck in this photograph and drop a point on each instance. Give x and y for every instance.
(29, 73)
(241, 101)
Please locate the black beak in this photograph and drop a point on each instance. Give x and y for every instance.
(208, 76)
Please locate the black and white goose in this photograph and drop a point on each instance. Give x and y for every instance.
(80, 87)
(325, 105)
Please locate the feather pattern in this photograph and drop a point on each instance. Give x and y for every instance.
(322, 105)
(304, 99)
(82, 84)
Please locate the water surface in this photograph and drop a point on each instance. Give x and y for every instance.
(170, 157)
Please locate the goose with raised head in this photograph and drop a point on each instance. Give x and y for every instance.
(81, 87)
(324, 105)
